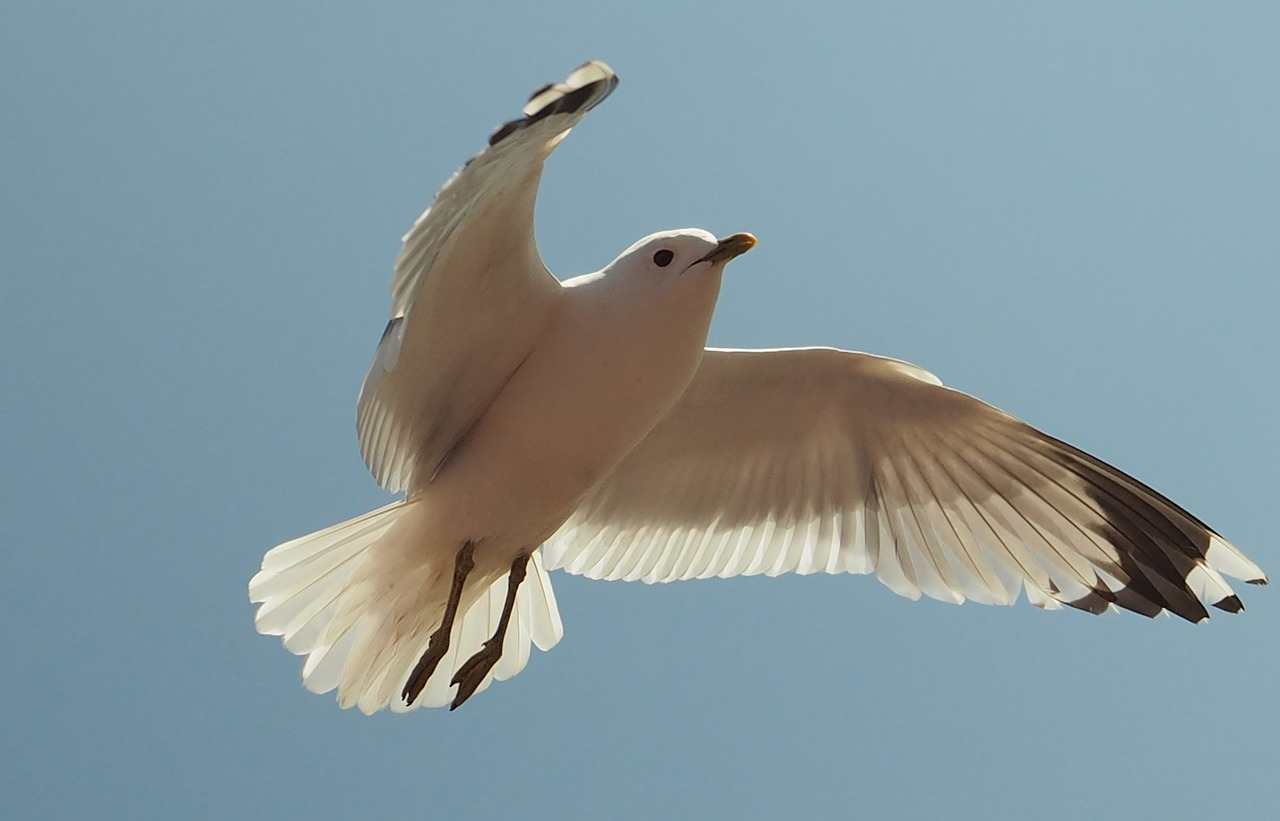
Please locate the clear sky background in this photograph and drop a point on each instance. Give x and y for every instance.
(1071, 210)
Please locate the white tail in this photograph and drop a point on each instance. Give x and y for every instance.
(322, 593)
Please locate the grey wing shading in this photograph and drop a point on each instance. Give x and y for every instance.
(811, 460)
(470, 292)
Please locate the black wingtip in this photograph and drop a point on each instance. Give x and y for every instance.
(506, 130)
(1095, 602)
(569, 100)
(1231, 604)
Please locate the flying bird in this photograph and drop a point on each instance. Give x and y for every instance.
(583, 425)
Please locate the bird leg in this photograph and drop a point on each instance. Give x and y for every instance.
(438, 645)
(472, 673)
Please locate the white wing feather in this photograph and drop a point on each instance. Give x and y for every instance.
(817, 460)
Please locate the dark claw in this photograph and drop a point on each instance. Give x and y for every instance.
(472, 673)
(422, 672)
(438, 644)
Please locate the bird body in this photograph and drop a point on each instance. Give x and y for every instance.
(569, 412)
(584, 425)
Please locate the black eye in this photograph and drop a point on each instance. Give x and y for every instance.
(663, 258)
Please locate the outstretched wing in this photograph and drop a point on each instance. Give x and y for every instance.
(470, 292)
(813, 460)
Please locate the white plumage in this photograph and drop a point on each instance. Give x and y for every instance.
(311, 596)
(818, 460)
(583, 426)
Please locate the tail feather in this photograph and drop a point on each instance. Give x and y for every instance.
(303, 578)
(297, 550)
(324, 667)
(321, 593)
(535, 621)
(545, 627)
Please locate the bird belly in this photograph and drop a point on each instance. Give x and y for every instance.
(565, 419)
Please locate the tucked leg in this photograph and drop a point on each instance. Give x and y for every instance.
(438, 645)
(471, 673)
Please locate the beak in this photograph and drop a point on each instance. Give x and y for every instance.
(729, 247)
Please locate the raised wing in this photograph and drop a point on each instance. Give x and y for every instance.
(813, 460)
(470, 292)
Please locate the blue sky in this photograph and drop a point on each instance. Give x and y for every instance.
(1070, 210)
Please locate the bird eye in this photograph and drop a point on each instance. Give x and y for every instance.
(663, 258)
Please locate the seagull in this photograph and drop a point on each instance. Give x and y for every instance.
(583, 425)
